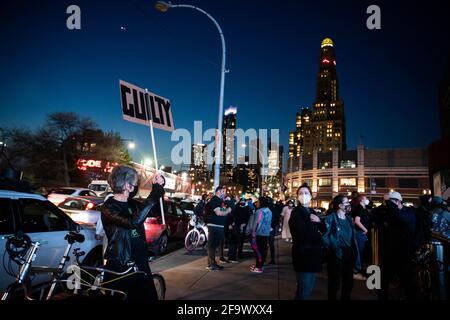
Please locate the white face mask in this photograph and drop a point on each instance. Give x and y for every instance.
(366, 202)
(304, 199)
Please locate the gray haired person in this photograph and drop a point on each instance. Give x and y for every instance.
(123, 225)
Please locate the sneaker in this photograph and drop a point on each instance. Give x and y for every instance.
(252, 267)
(214, 267)
(256, 270)
(223, 260)
(359, 276)
(233, 261)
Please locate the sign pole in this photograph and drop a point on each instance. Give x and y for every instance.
(157, 170)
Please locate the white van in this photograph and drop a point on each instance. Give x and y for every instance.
(100, 187)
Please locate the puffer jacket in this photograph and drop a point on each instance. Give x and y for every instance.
(117, 225)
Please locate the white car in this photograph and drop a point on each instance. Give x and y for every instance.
(100, 187)
(82, 209)
(46, 223)
(59, 195)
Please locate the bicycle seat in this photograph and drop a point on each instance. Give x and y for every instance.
(73, 237)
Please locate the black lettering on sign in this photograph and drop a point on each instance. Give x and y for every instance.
(147, 105)
(127, 109)
(161, 104)
(140, 111)
(152, 108)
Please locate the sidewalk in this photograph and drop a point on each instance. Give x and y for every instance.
(187, 279)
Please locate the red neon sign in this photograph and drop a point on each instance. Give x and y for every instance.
(83, 165)
(326, 61)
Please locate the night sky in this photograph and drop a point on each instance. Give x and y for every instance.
(388, 78)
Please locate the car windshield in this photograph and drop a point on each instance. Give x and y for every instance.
(98, 187)
(76, 204)
(187, 205)
(64, 191)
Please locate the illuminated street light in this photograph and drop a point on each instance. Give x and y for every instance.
(163, 6)
(131, 145)
(148, 162)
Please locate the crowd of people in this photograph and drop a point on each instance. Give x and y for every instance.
(339, 238)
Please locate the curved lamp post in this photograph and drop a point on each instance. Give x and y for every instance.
(163, 6)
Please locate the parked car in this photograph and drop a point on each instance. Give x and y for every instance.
(188, 206)
(100, 187)
(59, 195)
(176, 227)
(82, 209)
(46, 223)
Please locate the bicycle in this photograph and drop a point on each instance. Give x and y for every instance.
(23, 251)
(198, 236)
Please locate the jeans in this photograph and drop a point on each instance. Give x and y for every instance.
(305, 285)
(361, 240)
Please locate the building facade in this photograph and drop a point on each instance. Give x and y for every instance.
(228, 148)
(371, 172)
(199, 169)
(322, 127)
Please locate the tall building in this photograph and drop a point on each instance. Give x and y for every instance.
(246, 175)
(228, 148)
(199, 169)
(323, 126)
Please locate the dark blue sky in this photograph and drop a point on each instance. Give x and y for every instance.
(388, 78)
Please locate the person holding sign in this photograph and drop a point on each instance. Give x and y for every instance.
(123, 225)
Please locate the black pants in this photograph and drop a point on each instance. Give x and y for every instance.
(233, 242)
(259, 246)
(215, 239)
(272, 244)
(340, 270)
(403, 268)
(136, 286)
(241, 245)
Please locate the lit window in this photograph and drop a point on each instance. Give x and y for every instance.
(348, 164)
(325, 182)
(348, 182)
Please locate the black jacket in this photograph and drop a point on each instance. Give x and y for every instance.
(117, 225)
(307, 240)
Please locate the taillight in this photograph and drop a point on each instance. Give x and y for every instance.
(90, 205)
(152, 220)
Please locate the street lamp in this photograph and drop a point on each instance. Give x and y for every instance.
(148, 162)
(131, 145)
(163, 6)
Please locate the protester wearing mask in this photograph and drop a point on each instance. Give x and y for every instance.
(399, 247)
(362, 219)
(286, 214)
(306, 229)
(340, 242)
(216, 213)
(123, 225)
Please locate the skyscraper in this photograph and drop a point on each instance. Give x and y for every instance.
(199, 169)
(323, 127)
(228, 128)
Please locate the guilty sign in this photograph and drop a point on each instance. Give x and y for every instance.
(141, 106)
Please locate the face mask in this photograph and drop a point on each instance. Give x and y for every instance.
(304, 199)
(366, 202)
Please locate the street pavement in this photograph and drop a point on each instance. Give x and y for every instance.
(187, 278)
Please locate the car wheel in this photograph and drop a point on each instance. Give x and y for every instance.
(163, 244)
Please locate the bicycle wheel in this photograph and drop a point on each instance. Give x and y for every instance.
(192, 239)
(160, 285)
